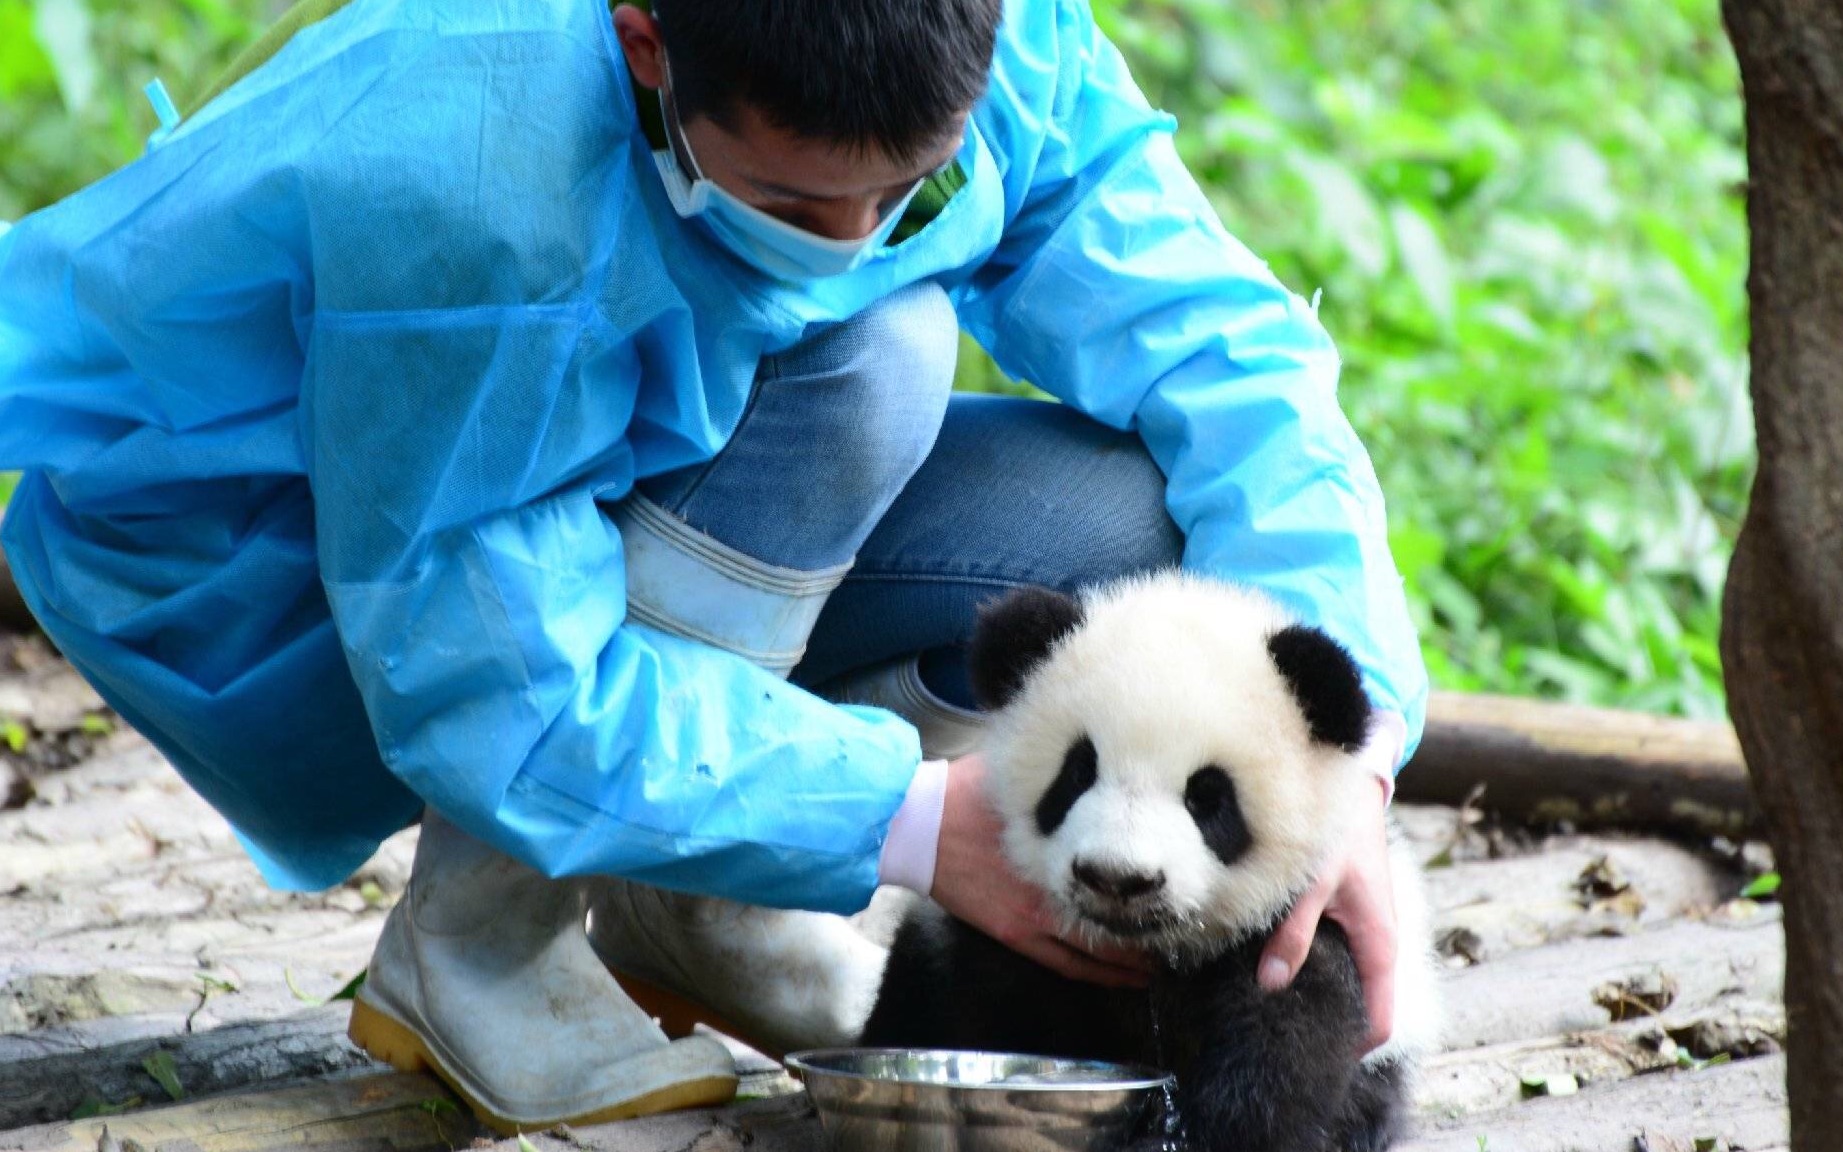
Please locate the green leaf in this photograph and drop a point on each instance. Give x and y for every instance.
(92, 1106)
(525, 1145)
(1765, 884)
(14, 735)
(1559, 1084)
(24, 68)
(347, 991)
(160, 1066)
(1416, 550)
(295, 989)
(63, 28)
(1424, 258)
(214, 984)
(1453, 600)
(1574, 175)
(1347, 213)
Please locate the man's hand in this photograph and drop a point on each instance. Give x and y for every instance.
(1355, 892)
(974, 881)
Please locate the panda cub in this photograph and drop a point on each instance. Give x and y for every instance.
(1173, 762)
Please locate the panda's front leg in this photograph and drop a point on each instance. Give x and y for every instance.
(1260, 1071)
(948, 985)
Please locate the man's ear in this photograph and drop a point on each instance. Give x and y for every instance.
(1326, 683)
(1013, 636)
(642, 44)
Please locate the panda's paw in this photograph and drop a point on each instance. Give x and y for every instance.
(1373, 1111)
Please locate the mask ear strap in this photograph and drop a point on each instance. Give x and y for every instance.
(676, 140)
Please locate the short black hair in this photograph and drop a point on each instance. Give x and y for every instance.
(888, 75)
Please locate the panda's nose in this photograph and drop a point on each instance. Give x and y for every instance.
(1117, 883)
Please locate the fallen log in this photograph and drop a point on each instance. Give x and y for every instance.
(397, 1112)
(47, 1088)
(1546, 763)
(371, 1113)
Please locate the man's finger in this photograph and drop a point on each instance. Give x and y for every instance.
(1284, 954)
(1098, 962)
(1059, 957)
(1113, 954)
(1372, 946)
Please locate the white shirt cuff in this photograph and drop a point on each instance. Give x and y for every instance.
(1382, 752)
(915, 831)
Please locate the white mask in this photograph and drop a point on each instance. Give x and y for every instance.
(782, 250)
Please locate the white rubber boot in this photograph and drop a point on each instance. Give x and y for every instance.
(484, 975)
(778, 981)
(947, 730)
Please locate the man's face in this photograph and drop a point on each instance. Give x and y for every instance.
(838, 193)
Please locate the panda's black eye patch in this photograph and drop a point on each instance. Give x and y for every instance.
(1076, 777)
(1209, 795)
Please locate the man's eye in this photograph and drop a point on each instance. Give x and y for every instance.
(799, 217)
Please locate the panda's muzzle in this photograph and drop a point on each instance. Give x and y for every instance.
(1124, 903)
(1115, 884)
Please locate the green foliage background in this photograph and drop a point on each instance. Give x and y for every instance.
(1525, 220)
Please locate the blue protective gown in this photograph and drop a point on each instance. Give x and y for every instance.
(321, 400)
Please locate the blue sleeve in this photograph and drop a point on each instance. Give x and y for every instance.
(1117, 289)
(467, 408)
(485, 628)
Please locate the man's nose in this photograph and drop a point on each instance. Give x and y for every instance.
(851, 219)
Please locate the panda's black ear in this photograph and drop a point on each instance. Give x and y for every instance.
(1013, 636)
(1326, 682)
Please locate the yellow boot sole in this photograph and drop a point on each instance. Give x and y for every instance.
(396, 1045)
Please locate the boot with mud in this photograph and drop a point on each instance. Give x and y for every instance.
(484, 976)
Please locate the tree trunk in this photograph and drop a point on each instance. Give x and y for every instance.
(1782, 637)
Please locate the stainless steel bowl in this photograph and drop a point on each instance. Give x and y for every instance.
(933, 1100)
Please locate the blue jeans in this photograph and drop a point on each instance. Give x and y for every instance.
(882, 510)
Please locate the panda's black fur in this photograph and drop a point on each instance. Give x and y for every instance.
(1256, 1072)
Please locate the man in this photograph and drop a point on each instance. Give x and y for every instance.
(539, 415)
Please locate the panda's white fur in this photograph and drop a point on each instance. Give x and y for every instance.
(1164, 674)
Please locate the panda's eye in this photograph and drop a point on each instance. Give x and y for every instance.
(1209, 796)
(1206, 791)
(1079, 769)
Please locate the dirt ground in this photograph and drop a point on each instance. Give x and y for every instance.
(1603, 992)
